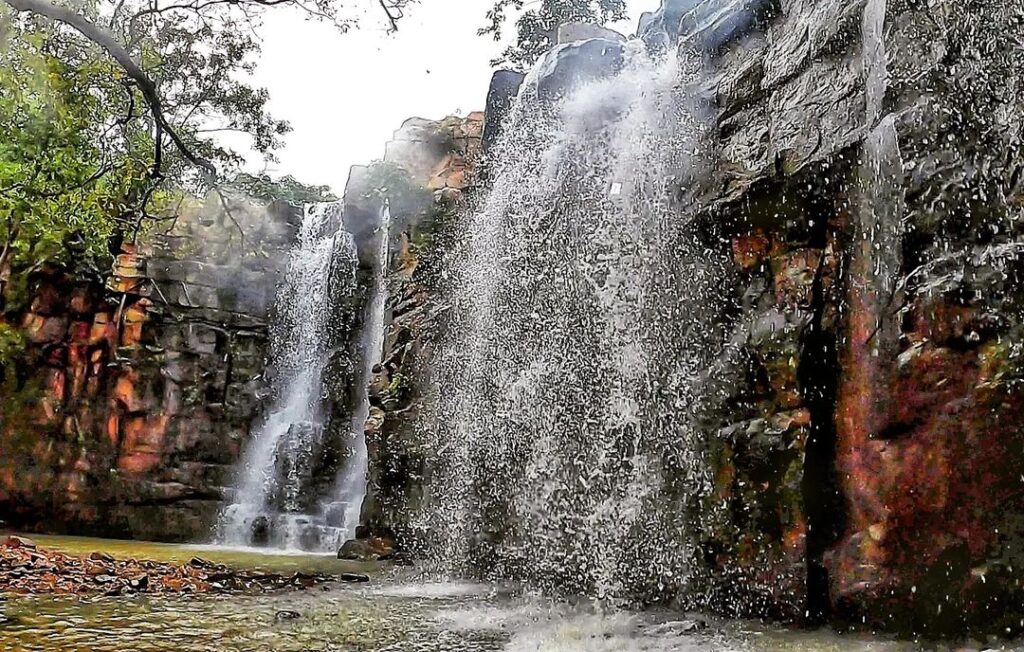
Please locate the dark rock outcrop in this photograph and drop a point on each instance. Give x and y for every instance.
(567, 66)
(501, 95)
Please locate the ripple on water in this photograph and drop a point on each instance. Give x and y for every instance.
(399, 617)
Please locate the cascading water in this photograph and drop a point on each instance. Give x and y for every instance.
(582, 322)
(351, 484)
(272, 504)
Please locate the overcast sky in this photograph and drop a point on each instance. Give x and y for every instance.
(346, 94)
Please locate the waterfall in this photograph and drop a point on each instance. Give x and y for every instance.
(274, 501)
(351, 484)
(584, 313)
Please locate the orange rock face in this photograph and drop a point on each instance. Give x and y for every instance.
(129, 405)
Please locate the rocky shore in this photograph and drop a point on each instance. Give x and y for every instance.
(27, 569)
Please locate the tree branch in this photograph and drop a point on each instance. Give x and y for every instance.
(146, 85)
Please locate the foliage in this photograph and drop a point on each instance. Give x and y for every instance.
(95, 146)
(67, 166)
(12, 342)
(264, 188)
(537, 27)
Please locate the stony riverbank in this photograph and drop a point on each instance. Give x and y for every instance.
(28, 569)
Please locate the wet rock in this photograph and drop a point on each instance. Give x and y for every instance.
(261, 531)
(369, 549)
(703, 24)
(19, 542)
(501, 95)
(354, 578)
(569, 65)
(660, 29)
(711, 25)
(140, 583)
(40, 571)
(285, 615)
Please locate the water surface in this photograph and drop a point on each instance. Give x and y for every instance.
(393, 613)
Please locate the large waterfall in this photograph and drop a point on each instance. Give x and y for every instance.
(276, 497)
(583, 322)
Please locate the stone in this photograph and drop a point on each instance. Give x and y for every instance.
(711, 25)
(285, 615)
(260, 531)
(567, 66)
(139, 583)
(660, 29)
(706, 25)
(19, 542)
(367, 549)
(354, 578)
(501, 95)
(570, 32)
(355, 550)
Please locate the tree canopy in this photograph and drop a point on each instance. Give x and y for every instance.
(537, 26)
(110, 112)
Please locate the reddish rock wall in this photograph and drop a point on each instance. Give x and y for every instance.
(133, 396)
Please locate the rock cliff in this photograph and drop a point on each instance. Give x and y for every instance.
(128, 405)
(868, 178)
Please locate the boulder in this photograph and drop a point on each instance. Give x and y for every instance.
(370, 549)
(19, 542)
(660, 29)
(501, 95)
(570, 65)
(703, 24)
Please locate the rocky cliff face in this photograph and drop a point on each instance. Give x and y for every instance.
(868, 177)
(871, 170)
(129, 404)
(441, 159)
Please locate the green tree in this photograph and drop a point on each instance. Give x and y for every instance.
(110, 112)
(68, 166)
(537, 27)
(287, 188)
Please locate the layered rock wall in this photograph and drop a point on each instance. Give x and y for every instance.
(129, 404)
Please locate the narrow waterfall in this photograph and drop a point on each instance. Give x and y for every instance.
(275, 496)
(584, 315)
(351, 483)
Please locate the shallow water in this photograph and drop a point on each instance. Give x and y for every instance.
(391, 614)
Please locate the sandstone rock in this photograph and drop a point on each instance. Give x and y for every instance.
(368, 549)
(19, 542)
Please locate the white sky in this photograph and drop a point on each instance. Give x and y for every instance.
(346, 94)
